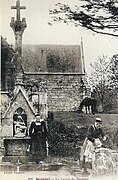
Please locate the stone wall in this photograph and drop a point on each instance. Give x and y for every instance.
(4, 102)
(64, 91)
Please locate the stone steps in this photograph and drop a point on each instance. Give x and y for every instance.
(31, 166)
(15, 159)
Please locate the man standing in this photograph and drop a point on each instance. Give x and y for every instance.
(38, 134)
(92, 141)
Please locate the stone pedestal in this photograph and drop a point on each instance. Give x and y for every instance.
(16, 148)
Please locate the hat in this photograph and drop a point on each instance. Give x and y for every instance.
(99, 120)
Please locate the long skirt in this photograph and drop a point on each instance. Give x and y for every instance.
(87, 153)
(38, 149)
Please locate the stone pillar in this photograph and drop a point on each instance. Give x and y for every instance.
(18, 27)
(43, 100)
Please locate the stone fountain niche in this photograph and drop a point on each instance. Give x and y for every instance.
(15, 128)
(17, 145)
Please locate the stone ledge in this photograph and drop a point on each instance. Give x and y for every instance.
(53, 73)
(14, 159)
(16, 138)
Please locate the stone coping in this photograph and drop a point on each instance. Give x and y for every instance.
(53, 73)
(16, 138)
(4, 92)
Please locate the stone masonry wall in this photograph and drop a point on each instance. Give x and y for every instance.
(4, 102)
(63, 90)
(63, 93)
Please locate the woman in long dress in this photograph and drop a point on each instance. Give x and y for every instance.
(92, 142)
(38, 134)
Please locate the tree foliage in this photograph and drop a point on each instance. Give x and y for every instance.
(100, 16)
(103, 79)
(113, 72)
(99, 78)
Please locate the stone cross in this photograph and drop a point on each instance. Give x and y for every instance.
(18, 7)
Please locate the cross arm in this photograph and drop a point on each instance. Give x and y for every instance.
(13, 7)
(23, 7)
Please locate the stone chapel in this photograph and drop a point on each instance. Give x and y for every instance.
(37, 79)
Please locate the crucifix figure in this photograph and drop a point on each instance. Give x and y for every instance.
(18, 7)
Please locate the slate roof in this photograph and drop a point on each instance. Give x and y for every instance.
(52, 58)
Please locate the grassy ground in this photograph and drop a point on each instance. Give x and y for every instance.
(71, 127)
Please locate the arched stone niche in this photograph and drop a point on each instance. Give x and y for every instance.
(19, 123)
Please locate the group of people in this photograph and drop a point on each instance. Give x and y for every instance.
(39, 136)
(93, 141)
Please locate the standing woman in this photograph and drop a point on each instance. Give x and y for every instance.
(38, 134)
(93, 141)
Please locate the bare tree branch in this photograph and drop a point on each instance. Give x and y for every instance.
(97, 16)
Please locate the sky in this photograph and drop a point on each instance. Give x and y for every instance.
(39, 32)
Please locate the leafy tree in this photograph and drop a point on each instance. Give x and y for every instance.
(113, 83)
(100, 16)
(113, 71)
(103, 79)
(99, 78)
